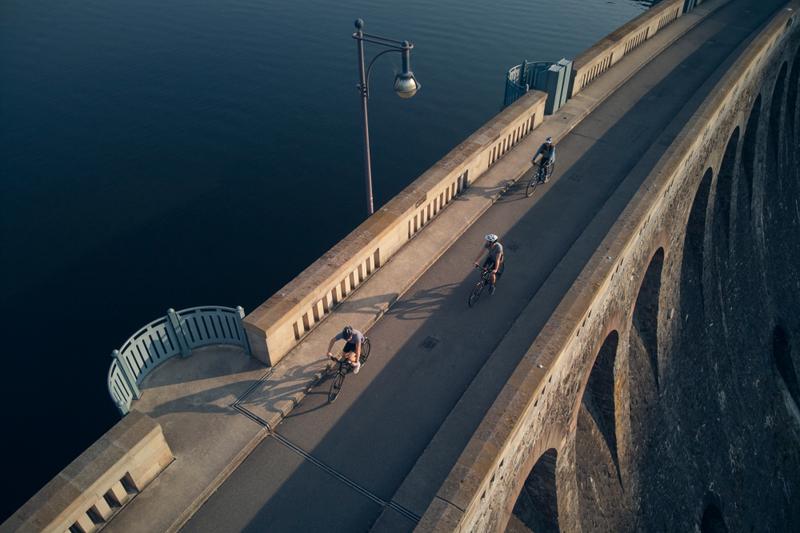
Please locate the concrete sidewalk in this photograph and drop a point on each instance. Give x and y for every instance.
(193, 400)
(217, 405)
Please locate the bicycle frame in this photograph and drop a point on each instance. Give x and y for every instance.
(342, 368)
(543, 170)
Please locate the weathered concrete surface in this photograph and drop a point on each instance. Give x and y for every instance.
(666, 380)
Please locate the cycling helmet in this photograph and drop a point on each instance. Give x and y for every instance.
(347, 331)
(491, 238)
(549, 140)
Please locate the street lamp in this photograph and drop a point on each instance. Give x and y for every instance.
(405, 85)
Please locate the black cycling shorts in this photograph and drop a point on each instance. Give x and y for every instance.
(489, 263)
(350, 347)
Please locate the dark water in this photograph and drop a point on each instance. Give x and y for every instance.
(172, 154)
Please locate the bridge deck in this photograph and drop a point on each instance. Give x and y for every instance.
(436, 364)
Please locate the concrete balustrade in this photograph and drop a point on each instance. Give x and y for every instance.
(85, 495)
(277, 325)
(612, 48)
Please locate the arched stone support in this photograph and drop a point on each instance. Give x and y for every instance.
(536, 507)
(689, 287)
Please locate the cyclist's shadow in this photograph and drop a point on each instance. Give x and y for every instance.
(516, 192)
(317, 396)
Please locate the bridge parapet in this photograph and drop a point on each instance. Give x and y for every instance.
(612, 48)
(540, 406)
(278, 324)
(103, 479)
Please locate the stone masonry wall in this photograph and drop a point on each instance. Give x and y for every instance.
(666, 382)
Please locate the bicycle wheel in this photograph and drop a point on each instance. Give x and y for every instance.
(531, 186)
(365, 347)
(336, 386)
(476, 293)
(550, 169)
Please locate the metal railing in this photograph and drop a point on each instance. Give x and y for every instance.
(522, 78)
(178, 333)
(552, 78)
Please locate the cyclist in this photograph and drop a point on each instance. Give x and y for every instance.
(495, 261)
(352, 348)
(548, 152)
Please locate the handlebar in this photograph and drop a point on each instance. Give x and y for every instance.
(484, 270)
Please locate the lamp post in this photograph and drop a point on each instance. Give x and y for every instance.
(405, 85)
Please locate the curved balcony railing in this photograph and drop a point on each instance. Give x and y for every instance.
(522, 78)
(178, 333)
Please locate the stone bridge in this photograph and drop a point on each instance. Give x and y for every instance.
(662, 394)
(635, 371)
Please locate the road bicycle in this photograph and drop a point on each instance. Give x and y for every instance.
(483, 282)
(342, 368)
(542, 174)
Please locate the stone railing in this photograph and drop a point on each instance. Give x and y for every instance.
(94, 487)
(178, 333)
(278, 324)
(609, 50)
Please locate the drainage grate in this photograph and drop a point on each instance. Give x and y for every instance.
(430, 343)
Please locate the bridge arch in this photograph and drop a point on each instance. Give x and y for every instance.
(773, 148)
(597, 471)
(641, 370)
(767, 167)
(693, 271)
(723, 199)
(776, 209)
(598, 396)
(537, 504)
(721, 236)
(748, 163)
(643, 343)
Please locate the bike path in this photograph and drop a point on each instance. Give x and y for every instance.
(335, 467)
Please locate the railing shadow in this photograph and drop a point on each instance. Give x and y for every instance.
(423, 303)
(209, 401)
(370, 306)
(208, 362)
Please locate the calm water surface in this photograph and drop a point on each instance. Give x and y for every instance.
(171, 154)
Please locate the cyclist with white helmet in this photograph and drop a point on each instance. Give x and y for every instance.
(548, 152)
(495, 260)
(352, 349)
